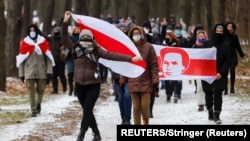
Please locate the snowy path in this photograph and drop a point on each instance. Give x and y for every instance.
(236, 110)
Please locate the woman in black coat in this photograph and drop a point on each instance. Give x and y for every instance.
(213, 92)
(232, 38)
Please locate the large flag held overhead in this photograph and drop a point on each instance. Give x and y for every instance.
(186, 63)
(112, 39)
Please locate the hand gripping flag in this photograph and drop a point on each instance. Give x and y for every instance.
(185, 63)
(112, 39)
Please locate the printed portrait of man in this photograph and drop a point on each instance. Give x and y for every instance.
(174, 61)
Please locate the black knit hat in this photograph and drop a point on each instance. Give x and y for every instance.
(146, 24)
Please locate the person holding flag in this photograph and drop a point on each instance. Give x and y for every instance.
(213, 91)
(86, 54)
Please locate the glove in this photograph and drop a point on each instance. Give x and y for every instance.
(22, 79)
(156, 89)
(122, 88)
(48, 78)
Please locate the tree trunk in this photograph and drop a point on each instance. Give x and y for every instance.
(27, 14)
(142, 11)
(2, 52)
(210, 20)
(95, 8)
(222, 10)
(14, 22)
(50, 6)
(81, 7)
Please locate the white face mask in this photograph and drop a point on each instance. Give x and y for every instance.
(32, 34)
(146, 30)
(88, 46)
(137, 37)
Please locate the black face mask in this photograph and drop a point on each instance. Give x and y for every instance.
(219, 37)
(57, 35)
(167, 39)
(75, 34)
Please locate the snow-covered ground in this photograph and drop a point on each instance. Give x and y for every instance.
(236, 110)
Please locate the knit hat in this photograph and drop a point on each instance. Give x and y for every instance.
(121, 24)
(146, 24)
(86, 32)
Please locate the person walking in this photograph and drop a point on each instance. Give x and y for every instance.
(153, 38)
(141, 87)
(123, 95)
(55, 43)
(34, 64)
(87, 79)
(69, 59)
(233, 39)
(213, 92)
(201, 37)
(172, 86)
(183, 42)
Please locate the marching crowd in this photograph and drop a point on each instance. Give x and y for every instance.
(43, 58)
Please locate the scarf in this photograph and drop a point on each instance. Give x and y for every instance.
(28, 46)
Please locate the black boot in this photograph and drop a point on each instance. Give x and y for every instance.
(127, 122)
(81, 134)
(217, 117)
(210, 114)
(38, 108)
(97, 136)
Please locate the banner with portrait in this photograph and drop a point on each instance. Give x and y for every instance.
(177, 63)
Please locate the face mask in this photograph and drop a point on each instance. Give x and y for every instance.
(137, 37)
(169, 30)
(201, 40)
(167, 40)
(76, 34)
(218, 37)
(56, 34)
(87, 46)
(32, 34)
(146, 30)
(178, 33)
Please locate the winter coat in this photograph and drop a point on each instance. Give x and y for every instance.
(55, 45)
(235, 47)
(85, 70)
(222, 60)
(150, 76)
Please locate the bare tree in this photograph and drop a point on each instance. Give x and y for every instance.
(14, 22)
(81, 7)
(2, 52)
(142, 11)
(222, 10)
(48, 15)
(210, 19)
(95, 8)
(27, 14)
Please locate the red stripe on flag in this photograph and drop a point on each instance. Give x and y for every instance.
(201, 67)
(111, 44)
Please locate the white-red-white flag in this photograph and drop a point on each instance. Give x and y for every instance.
(186, 63)
(112, 39)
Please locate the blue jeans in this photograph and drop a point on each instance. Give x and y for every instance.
(125, 102)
